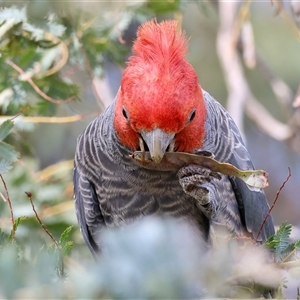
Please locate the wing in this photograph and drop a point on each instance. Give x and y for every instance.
(253, 205)
(87, 207)
(225, 141)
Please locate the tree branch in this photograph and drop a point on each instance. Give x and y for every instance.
(12, 218)
(240, 96)
(35, 87)
(273, 205)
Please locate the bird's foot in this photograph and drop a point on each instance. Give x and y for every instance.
(196, 182)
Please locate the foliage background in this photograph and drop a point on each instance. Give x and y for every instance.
(98, 36)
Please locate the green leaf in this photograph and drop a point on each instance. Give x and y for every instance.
(66, 245)
(67, 248)
(293, 247)
(5, 129)
(271, 242)
(30, 55)
(8, 152)
(5, 166)
(18, 221)
(65, 235)
(280, 241)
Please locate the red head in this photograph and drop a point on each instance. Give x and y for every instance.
(160, 100)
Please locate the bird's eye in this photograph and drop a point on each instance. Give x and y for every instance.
(125, 113)
(192, 115)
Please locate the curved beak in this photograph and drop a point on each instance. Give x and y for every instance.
(157, 142)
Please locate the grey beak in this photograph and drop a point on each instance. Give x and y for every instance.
(157, 142)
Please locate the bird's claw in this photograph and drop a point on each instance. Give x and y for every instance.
(195, 179)
(198, 173)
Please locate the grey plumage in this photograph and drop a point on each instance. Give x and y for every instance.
(110, 190)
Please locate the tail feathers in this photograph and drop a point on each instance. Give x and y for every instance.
(80, 213)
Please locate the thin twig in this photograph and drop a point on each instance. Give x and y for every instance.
(289, 255)
(61, 267)
(64, 53)
(289, 264)
(56, 120)
(290, 23)
(3, 197)
(13, 231)
(273, 205)
(35, 87)
(19, 113)
(29, 195)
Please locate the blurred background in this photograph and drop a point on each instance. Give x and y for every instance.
(246, 54)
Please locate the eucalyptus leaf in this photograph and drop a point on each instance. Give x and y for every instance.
(7, 152)
(173, 161)
(5, 129)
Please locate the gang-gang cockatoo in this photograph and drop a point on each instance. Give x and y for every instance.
(161, 107)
